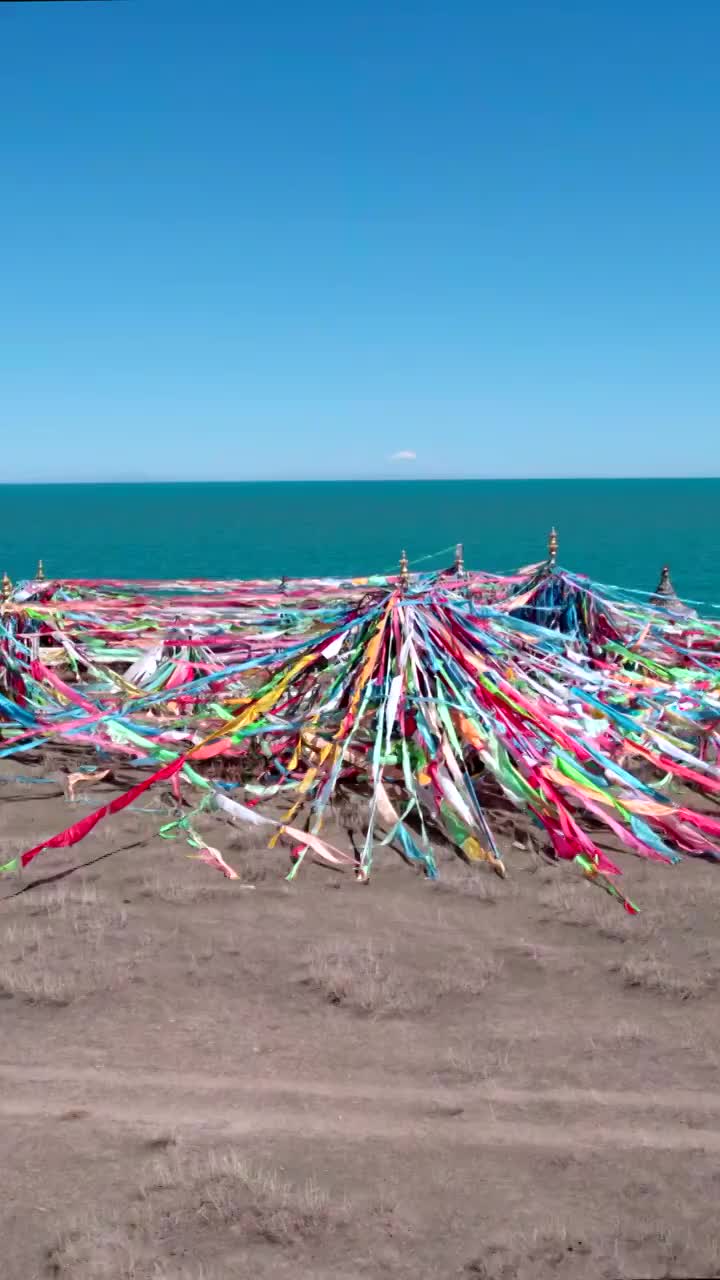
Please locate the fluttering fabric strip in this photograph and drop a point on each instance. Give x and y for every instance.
(590, 710)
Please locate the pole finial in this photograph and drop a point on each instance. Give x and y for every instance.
(664, 590)
(40, 572)
(6, 588)
(459, 560)
(552, 547)
(404, 571)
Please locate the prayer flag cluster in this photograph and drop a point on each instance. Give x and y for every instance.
(595, 711)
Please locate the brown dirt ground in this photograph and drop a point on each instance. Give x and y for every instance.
(202, 1079)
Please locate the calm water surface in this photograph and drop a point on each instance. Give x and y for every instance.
(618, 531)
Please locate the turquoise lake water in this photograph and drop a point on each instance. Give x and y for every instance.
(618, 531)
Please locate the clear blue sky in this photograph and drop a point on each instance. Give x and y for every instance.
(274, 238)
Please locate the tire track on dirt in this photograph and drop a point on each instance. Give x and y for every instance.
(384, 1126)
(563, 1119)
(358, 1090)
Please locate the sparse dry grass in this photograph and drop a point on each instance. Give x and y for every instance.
(37, 986)
(11, 847)
(245, 840)
(19, 939)
(547, 873)
(166, 1271)
(650, 973)
(258, 865)
(254, 860)
(218, 1194)
(629, 1033)
(370, 979)
(518, 1257)
(463, 1067)
(61, 944)
(77, 903)
(359, 976)
(223, 1189)
(189, 886)
(540, 955)
(163, 1141)
(625, 1253)
(95, 1250)
(581, 905)
(469, 975)
(179, 891)
(34, 980)
(479, 883)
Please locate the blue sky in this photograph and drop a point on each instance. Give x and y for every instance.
(256, 240)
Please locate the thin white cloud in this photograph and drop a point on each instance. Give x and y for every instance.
(403, 455)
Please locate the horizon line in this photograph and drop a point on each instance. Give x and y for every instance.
(549, 479)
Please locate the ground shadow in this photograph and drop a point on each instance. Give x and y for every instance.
(69, 871)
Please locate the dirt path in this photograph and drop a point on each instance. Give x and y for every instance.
(483, 1115)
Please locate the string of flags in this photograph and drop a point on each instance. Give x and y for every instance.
(592, 710)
